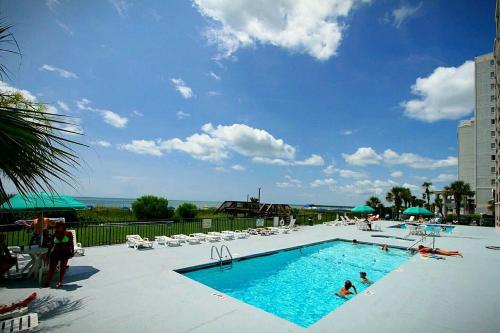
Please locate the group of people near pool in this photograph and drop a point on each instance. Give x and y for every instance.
(59, 244)
(422, 250)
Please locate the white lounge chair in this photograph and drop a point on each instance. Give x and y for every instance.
(137, 241)
(201, 236)
(26, 323)
(187, 239)
(291, 225)
(241, 234)
(411, 219)
(77, 246)
(222, 235)
(230, 235)
(167, 241)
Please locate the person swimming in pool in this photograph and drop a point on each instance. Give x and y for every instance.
(385, 248)
(355, 242)
(344, 291)
(427, 250)
(364, 278)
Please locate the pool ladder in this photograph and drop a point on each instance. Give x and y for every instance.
(225, 262)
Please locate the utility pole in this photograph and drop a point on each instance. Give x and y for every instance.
(259, 194)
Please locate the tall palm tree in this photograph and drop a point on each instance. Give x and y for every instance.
(439, 203)
(459, 190)
(407, 196)
(395, 195)
(34, 151)
(427, 190)
(376, 204)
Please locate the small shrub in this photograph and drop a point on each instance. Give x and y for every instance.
(151, 207)
(187, 210)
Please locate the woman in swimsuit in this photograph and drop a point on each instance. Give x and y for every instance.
(364, 279)
(344, 291)
(60, 251)
(427, 250)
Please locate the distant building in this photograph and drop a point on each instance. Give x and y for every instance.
(496, 53)
(481, 146)
(467, 152)
(254, 209)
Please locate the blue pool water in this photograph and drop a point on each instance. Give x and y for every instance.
(429, 227)
(299, 285)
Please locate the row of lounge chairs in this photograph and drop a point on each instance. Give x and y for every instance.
(340, 221)
(136, 241)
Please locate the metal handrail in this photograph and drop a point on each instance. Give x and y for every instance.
(217, 251)
(418, 241)
(227, 249)
(219, 255)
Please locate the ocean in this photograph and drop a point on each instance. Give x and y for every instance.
(127, 202)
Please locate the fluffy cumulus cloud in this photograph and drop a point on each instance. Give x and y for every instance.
(143, 147)
(7, 89)
(323, 182)
(313, 27)
(367, 155)
(289, 183)
(101, 143)
(217, 143)
(444, 178)
(447, 93)
(396, 174)
(363, 156)
(368, 187)
(108, 116)
(181, 114)
(62, 72)
(344, 173)
(238, 167)
(182, 88)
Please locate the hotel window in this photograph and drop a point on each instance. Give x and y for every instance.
(492, 86)
(492, 74)
(492, 169)
(492, 111)
(493, 146)
(493, 121)
(492, 98)
(492, 134)
(492, 182)
(492, 63)
(492, 157)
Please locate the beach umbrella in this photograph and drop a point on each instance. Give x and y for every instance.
(417, 211)
(41, 202)
(362, 209)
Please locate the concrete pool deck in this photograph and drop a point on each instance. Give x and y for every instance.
(117, 289)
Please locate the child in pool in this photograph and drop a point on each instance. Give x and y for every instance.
(364, 279)
(344, 291)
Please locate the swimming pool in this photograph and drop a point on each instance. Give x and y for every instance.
(429, 227)
(299, 284)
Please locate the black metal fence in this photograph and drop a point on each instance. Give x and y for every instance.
(98, 233)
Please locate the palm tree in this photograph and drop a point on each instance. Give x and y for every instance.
(35, 152)
(426, 186)
(396, 195)
(438, 202)
(407, 196)
(459, 190)
(376, 204)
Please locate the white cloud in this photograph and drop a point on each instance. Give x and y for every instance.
(417, 161)
(238, 167)
(102, 143)
(290, 183)
(143, 147)
(346, 132)
(344, 173)
(323, 182)
(444, 178)
(363, 156)
(366, 156)
(181, 115)
(7, 89)
(65, 28)
(447, 93)
(108, 116)
(63, 106)
(304, 26)
(121, 7)
(182, 88)
(366, 187)
(213, 93)
(396, 174)
(216, 143)
(136, 113)
(215, 76)
(412, 187)
(403, 13)
(62, 72)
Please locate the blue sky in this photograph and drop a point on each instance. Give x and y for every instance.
(325, 102)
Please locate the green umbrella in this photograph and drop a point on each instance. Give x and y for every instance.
(417, 211)
(41, 202)
(362, 209)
